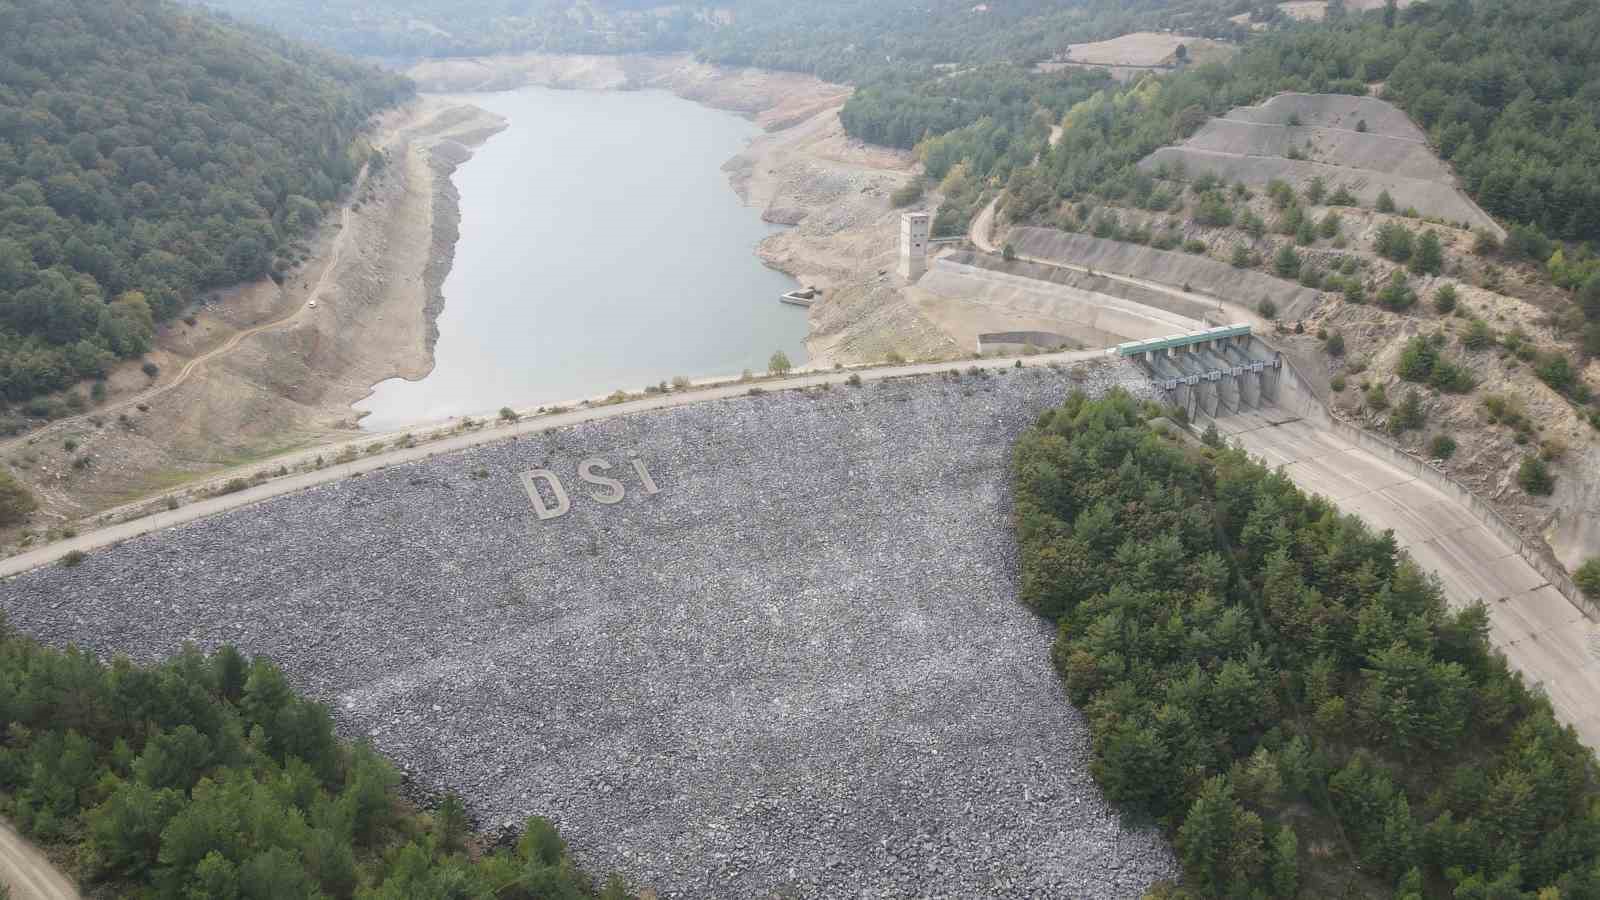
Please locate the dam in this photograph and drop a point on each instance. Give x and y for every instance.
(798, 667)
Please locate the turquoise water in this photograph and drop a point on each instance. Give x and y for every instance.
(601, 248)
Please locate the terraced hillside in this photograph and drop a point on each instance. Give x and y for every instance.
(1366, 145)
(798, 668)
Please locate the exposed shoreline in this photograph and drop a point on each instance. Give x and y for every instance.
(804, 172)
(294, 356)
(379, 286)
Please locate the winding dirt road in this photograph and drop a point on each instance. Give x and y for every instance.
(28, 873)
(324, 282)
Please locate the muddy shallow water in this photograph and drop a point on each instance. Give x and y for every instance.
(601, 248)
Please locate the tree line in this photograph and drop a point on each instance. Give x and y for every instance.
(208, 776)
(148, 154)
(1280, 687)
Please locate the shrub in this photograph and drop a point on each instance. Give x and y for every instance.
(1385, 202)
(779, 364)
(1394, 242)
(1555, 370)
(1485, 243)
(908, 194)
(1377, 398)
(1479, 335)
(1338, 384)
(1535, 478)
(1443, 446)
(1361, 126)
(681, 383)
(1417, 360)
(1429, 256)
(73, 559)
(1268, 309)
(1194, 246)
(15, 500)
(1287, 262)
(1526, 242)
(233, 486)
(1409, 415)
(1008, 252)
(1213, 211)
(1342, 197)
(1588, 577)
(507, 414)
(1397, 294)
(1331, 225)
(150, 369)
(1335, 345)
(854, 380)
(1253, 225)
(1451, 377)
(1242, 257)
(1444, 299)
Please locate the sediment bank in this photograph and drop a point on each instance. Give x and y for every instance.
(264, 367)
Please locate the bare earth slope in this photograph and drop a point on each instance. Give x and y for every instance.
(1251, 144)
(266, 366)
(799, 669)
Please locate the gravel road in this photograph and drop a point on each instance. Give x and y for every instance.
(798, 669)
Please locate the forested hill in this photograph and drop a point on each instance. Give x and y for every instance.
(147, 152)
(839, 40)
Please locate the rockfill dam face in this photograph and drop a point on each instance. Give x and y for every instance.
(782, 655)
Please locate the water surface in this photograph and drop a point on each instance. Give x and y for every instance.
(601, 248)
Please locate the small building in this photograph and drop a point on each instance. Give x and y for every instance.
(914, 233)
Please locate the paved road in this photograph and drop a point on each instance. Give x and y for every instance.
(28, 873)
(1541, 633)
(112, 534)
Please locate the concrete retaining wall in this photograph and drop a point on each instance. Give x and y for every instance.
(1086, 317)
(1042, 340)
(1201, 273)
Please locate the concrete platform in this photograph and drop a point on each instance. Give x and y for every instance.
(1542, 634)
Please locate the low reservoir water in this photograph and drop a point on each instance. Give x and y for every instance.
(601, 248)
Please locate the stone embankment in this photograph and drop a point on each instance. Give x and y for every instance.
(797, 668)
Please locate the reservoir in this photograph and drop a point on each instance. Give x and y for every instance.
(601, 248)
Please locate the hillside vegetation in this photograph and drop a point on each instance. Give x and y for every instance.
(148, 153)
(1282, 688)
(835, 39)
(207, 777)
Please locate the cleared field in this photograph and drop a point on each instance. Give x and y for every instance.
(1146, 48)
(796, 669)
(1251, 144)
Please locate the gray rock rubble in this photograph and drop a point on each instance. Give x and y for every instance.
(800, 669)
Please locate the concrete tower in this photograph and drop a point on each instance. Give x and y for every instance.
(914, 229)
